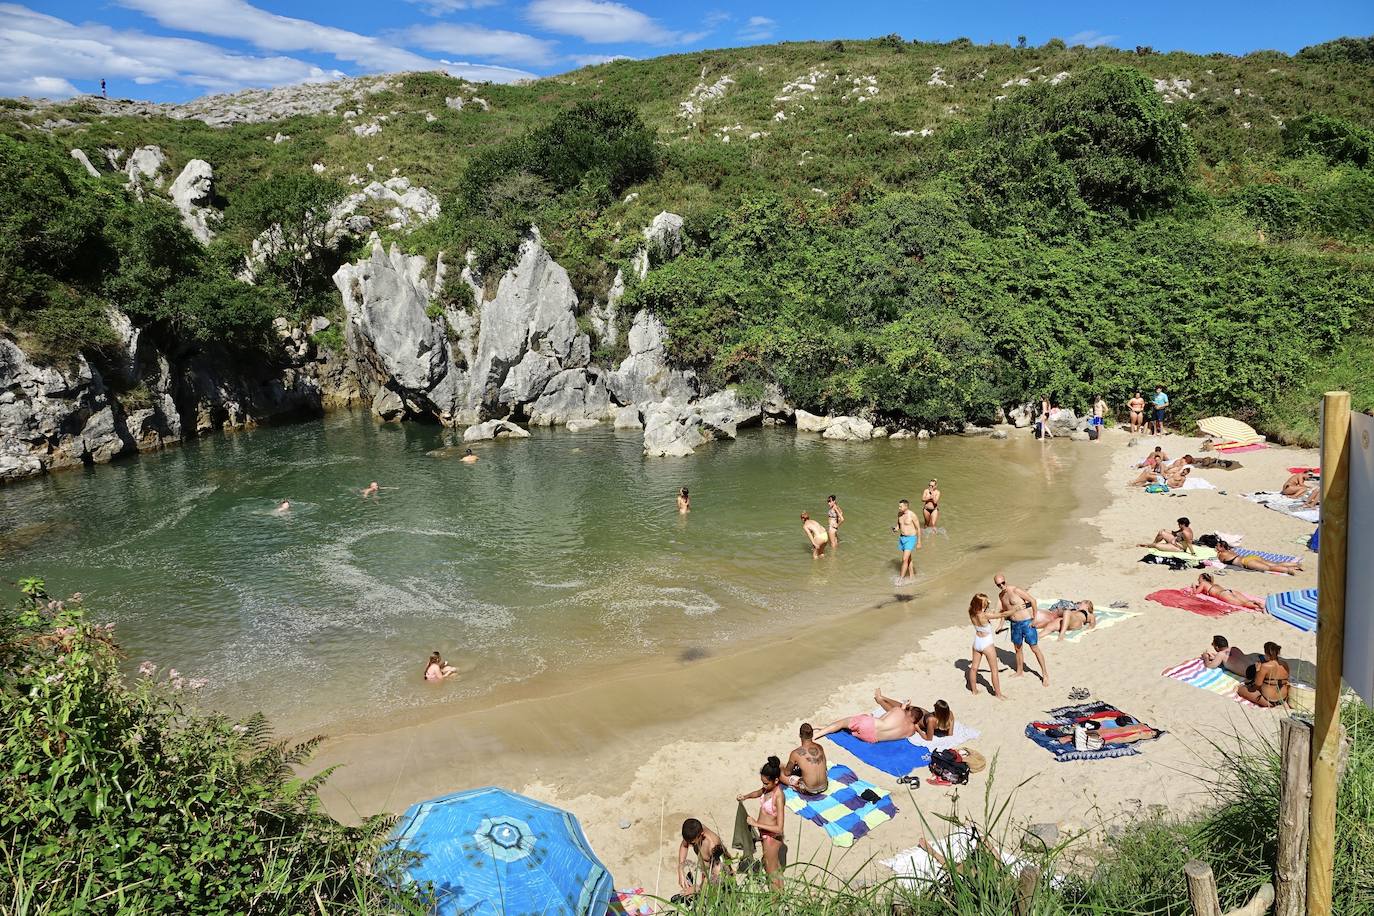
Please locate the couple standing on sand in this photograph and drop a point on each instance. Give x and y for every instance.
(1018, 606)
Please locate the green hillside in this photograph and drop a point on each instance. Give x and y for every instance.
(924, 231)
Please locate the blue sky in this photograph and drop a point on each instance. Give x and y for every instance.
(170, 50)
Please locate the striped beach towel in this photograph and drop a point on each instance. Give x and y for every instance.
(634, 902)
(1213, 680)
(842, 811)
(1297, 608)
(1271, 557)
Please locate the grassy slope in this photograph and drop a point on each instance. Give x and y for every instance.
(829, 142)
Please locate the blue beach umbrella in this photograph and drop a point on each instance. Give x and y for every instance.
(490, 852)
(1297, 608)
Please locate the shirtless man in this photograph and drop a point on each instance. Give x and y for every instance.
(371, 489)
(1136, 405)
(712, 857)
(897, 722)
(815, 534)
(1018, 605)
(930, 505)
(284, 508)
(1221, 654)
(1180, 539)
(834, 516)
(908, 537)
(1099, 417)
(468, 457)
(806, 769)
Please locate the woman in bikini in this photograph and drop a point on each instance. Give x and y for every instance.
(930, 505)
(1227, 554)
(1206, 585)
(1266, 683)
(815, 534)
(938, 723)
(1045, 410)
(835, 518)
(684, 501)
(769, 822)
(983, 638)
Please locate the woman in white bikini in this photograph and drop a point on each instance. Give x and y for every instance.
(983, 638)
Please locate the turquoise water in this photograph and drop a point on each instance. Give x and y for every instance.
(562, 554)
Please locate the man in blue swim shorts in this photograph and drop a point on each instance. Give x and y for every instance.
(1018, 605)
(908, 530)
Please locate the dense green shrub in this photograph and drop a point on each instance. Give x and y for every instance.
(115, 799)
(1340, 50)
(291, 213)
(1336, 139)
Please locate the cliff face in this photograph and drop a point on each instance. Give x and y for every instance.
(58, 417)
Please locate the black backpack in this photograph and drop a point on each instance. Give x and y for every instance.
(946, 765)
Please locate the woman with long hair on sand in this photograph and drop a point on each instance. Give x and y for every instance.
(769, 821)
(1206, 585)
(983, 638)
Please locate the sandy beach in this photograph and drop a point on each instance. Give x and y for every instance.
(653, 782)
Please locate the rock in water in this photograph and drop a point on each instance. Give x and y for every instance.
(494, 429)
(192, 192)
(576, 426)
(573, 394)
(810, 423)
(628, 418)
(388, 405)
(671, 431)
(644, 376)
(850, 429)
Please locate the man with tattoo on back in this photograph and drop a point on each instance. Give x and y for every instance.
(806, 769)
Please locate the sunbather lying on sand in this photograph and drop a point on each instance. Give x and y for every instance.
(1147, 477)
(1185, 461)
(1176, 479)
(1206, 585)
(1180, 539)
(1070, 616)
(1227, 554)
(897, 721)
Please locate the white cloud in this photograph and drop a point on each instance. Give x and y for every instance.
(1091, 39)
(602, 22)
(269, 31)
(485, 73)
(478, 41)
(442, 7)
(758, 28)
(51, 52)
(591, 60)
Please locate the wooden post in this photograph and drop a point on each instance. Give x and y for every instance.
(1202, 889)
(1025, 890)
(1290, 870)
(1326, 738)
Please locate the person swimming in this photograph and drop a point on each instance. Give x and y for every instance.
(283, 508)
(684, 501)
(371, 489)
(436, 669)
(468, 457)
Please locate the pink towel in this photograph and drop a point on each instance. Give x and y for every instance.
(1185, 599)
(1237, 449)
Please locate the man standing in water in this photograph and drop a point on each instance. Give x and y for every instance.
(930, 505)
(806, 769)
(908, 530)
(1136, 405)
(815, 534)
(1019, 606)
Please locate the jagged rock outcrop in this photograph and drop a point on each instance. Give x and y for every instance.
(672, 430)
(80, 156)
(645, 375)
(572, 395)
(811, 423)
(193, 192)
(145, 167)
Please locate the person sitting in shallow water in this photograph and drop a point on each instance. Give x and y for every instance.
(684, 501)
(468, 457)
(1206, 585)
(897, 721)
(436, 669)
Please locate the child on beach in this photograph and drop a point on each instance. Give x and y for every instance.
(712, 859)
(436, 670)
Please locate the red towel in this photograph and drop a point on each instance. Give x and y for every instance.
(1237, 449)
(1316, 471)
(1187, 600)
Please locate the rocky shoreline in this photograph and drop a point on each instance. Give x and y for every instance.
(522, 356)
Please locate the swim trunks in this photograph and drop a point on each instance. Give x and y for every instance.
(1096, 421)
(864, 727)
(1159, 414)
(906, 542)
(1023, 632)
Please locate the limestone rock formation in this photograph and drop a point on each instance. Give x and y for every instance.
(192, 192)
(628, 418)
(672, 431)
(810, 423)
(849, 429)
(572, 395)
(80, 156)
(645, 376)
(494, 429)
(145, 166)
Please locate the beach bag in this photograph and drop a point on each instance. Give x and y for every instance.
(1156, 488)
(945, 765)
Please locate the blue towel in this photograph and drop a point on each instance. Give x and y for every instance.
(896, 757)
(1271, 557)
(1297, 608)
(1312, 541)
